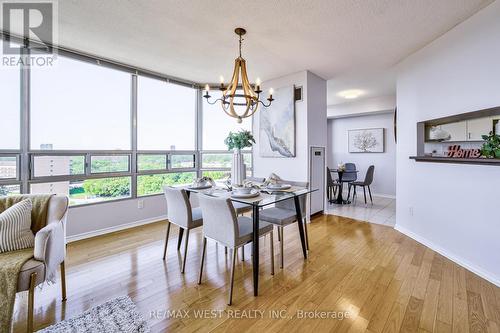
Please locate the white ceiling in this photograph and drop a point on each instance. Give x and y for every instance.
(352, 42)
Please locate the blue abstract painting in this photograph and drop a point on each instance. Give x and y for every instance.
(277, 125)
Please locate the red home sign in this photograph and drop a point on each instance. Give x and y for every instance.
(457, 152)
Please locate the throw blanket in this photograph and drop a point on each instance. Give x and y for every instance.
(11, 262)
(10, 265)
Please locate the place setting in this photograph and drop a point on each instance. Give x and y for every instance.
(202, 183)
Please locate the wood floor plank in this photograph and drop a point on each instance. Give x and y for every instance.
(373, 278)
(477, 319)
(412, 315)
(445, 303)
(429, 310)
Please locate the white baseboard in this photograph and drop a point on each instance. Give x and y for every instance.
(382, 195)
(104, 231)
(457, 259)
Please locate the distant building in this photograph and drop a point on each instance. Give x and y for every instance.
(51, 166)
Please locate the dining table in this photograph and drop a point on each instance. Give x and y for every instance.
(266, 197)
(340, 200)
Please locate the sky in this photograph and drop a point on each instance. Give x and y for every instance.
(81, 106)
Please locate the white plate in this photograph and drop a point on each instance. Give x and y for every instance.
(279, 187)
(202, 187)
(252, 194)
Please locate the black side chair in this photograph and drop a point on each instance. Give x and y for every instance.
(331, 186)
(366, 183)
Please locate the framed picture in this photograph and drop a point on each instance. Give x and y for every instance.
(368, 140)
(277, 125)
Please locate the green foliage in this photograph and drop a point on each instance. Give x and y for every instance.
(216, 175)
(491, 148)
(107, 187)
(239, 140)
(110, 164)
(150, 184)
(152, 162)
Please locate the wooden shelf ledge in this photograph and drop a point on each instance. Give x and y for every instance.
(434, 159)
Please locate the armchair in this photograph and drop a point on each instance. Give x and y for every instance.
(49, 252)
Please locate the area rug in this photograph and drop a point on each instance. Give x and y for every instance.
(117, 315)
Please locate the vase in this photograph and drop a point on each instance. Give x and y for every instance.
(237, 168)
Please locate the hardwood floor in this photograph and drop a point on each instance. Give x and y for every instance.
(379, 279)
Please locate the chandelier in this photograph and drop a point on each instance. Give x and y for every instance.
(239, 100)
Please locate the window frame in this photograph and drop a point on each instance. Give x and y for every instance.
(25, 156)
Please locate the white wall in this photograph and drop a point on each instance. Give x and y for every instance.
(384, 182)
(100, 218)
(316, 110)
(455, 206)
(287, 168)
(310, 127)
(362, 107)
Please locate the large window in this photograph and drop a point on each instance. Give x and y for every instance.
(89, 190)
(82, 141)
(166, 115)
(10, 87)
(217, 125)
(77, 105)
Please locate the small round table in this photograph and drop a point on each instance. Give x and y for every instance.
(340, 200)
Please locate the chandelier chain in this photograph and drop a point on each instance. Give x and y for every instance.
(241, 39)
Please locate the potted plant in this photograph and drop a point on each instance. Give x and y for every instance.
(236, 142)
(491, 146)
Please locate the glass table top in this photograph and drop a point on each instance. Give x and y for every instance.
(265, 197)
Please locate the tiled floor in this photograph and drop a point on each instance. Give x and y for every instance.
(383, 210)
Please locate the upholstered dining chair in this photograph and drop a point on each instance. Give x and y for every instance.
(221, 224)
(331, 185)
(365, 183)
(284, 213)
(49, 252)
(349, 176)
(180, 213)
(242, 208)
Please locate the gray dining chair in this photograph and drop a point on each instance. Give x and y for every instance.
(348, 177)
(222, 225)
(242, 208)
(331, 185)
(180, 213)
(284, 213)
(366, 183)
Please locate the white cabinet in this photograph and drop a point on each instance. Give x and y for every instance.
(476, 128)
(457, 131)
(461, 131)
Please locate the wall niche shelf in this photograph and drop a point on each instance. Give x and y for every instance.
(436, 136)
(434, 159)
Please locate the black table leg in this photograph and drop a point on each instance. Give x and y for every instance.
(298, 211)
(255, 250)
(179, 241)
